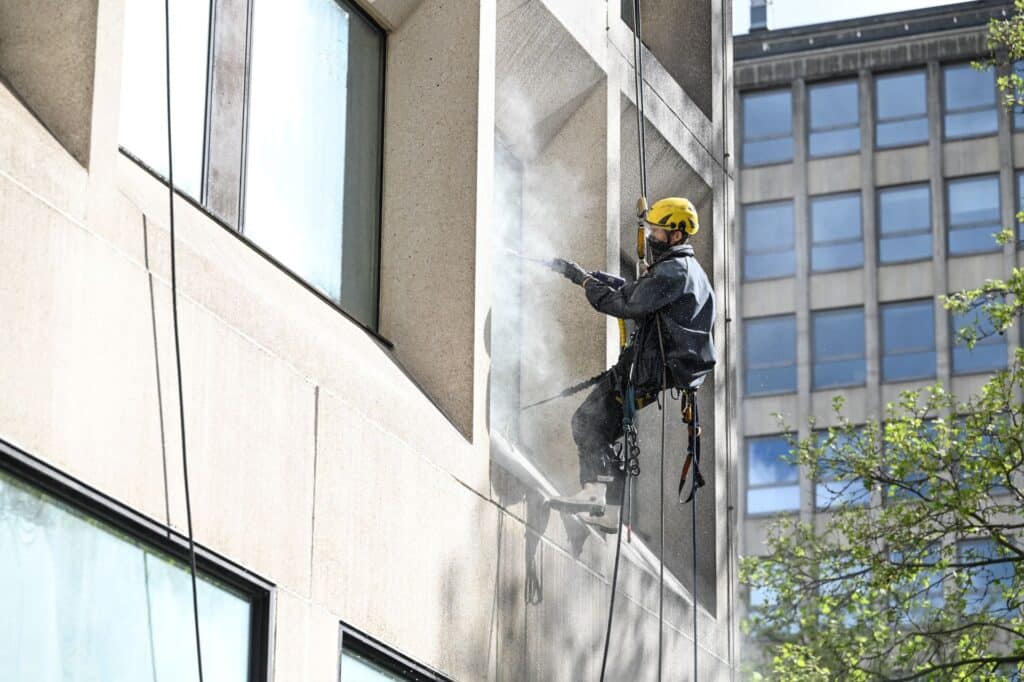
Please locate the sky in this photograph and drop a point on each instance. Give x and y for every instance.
(786, 13)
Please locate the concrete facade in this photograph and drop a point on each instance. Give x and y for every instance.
(862, 50)
(358, 473)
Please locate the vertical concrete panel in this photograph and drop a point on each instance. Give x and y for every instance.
(938, 187)
(305, 641)
(47, 53)
(431, 194)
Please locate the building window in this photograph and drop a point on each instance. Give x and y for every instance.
(1020, 205)
(830, 493)
(294, 164)
(834, 122)
(836, 241)
(768, 241)
(969, 98)
(902, 109)
(1018, 109)
(767, 127)
(904, 224)
(838, 344)
(365, 659)
(990, 578)
(86, 598)
(773, 484)
(989, 352)
(908, 341)
(974, 215)
(769, 355)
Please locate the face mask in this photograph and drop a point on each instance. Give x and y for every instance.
(657, 249)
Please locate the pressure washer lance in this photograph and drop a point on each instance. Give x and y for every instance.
(558, 265)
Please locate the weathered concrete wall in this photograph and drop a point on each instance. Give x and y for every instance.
(357, 478)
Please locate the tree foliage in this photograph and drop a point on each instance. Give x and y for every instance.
(915, 570)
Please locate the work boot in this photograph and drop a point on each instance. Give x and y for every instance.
(590, 500)
(607, 522)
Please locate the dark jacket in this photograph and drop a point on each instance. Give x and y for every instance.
(675, 292)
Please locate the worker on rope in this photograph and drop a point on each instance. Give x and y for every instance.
(674, 293)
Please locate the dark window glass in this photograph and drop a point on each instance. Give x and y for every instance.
(1020, 204)
(988, 354)
(902, 104)
(904, 224)
(836, 241)
(839, 348)
(969, 98)
(988, 580)
(767, 127)
(773, 484)
(829, 492)
(313, 180)
(908, 341)
(834, 118)
(974, 215)
(768, 241)
(1018, 110)
(84, 601)
(770, 355)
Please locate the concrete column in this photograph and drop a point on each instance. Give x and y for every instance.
(1008, 204)
(938, 186)
(801, 241)
(872, 323)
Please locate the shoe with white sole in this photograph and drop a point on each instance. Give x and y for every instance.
(590, 500)
(605, 523)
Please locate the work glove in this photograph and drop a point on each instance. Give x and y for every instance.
(571, 271)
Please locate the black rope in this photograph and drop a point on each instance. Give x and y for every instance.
(624, 500)
(638, 89)
(177, 340)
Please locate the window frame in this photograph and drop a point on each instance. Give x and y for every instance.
(811, 130)
(238, 231)
(764, 138)
(834, 242)
(794, 364)
(877, 118)
(928, 230)
(814, 356)
(966, 110)
(96, 505)
(379, 653)
(949, 182)
(743, 248)
(881, 340)
(747, 487)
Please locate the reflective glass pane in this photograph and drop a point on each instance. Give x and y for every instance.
(839, 348)
(970, 101)
(901, 133)
(835, 142)
(766, 462)
(830, 492)
(974, 214)
(988, 354)
(988, 581)
(85, 602)
(1020, 202)
(836, 218)
(837, 256)
(769, 265)
(905, 249)
(833, 105)
(774, 499)
(312, 183)
(761, 152)
(908, 341)
(901, 95)
(974, 240)
(904, 209)
(768, 226)
(767, 114)
(770, 355)
(143, 122)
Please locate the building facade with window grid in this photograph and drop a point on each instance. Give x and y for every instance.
(897, 179)
(357, 342)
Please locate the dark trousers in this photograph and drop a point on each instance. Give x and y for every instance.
(596, 425)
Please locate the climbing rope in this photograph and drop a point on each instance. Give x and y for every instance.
(628, 455)
(177, 340)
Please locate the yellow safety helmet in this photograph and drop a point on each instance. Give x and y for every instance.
(674, 213)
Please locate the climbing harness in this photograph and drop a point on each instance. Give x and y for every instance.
(177, 340)
(627, 456)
